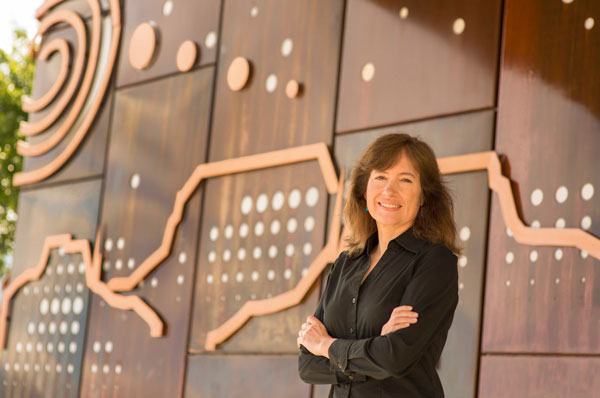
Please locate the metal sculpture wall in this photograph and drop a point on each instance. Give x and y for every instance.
(184, 173)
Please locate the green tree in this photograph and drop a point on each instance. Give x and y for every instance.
(16, 76)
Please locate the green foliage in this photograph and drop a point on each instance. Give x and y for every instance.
(16, 76)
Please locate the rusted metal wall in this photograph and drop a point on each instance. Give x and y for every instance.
(199, 82)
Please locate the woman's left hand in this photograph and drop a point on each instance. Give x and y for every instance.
(314, 337)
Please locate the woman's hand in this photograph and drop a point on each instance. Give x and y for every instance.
(314, 337)
(402, 317)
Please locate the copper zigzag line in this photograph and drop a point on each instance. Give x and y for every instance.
(572, 237)
(450, 165)
(292, 297)
(304, 153)
(319, 152)
(92, 279)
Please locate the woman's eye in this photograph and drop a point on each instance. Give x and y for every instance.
(379, 177)
(406, 180)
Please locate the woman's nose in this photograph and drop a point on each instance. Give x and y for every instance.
(390, 187)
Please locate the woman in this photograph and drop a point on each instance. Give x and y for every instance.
(383, 318)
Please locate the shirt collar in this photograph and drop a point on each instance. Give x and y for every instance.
(407, 240)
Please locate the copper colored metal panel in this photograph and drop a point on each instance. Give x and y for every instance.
(158, 141)
(539, 376)
(410, 64)
(48, 324)
(260, 232)
(241, 376)
(283, 41)
(175, 22)
(89, 159)
(545, 299)
(452, 136)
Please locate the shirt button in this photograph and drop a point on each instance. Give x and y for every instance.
(353, 300)
(351, 330)
(339, 365)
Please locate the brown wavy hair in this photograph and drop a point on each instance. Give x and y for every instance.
(434, 221)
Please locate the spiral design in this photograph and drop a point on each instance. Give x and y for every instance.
(84, 94)
(62, 47)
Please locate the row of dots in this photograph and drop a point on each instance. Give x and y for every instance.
(534, 255)
(69, 269)
(57, 289)
(97, 347)
(508, 283)
(259, 228)
(255, 276)
(294, 199)
(154, 280)
(108, 244)
(118, 264)
(62, 327)
(65, 307)
(252, 296)
(106, 368)
(561, 194)
(257, 252)
(39, 347)
(37, 368)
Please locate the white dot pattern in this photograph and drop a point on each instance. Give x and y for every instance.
(294, 198)
(586, 222)
(312, 196)
(509, 258)
(537, 196)
(533, 256)
(465, 234)
(278, 201)
(292, 225)
(458, 27)
(558, 254)
(271, 83)
(587, 191)
(562, 193)
(309, 223)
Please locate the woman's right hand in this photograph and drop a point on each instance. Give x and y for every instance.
(402, 317)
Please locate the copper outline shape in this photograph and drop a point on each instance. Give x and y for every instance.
(304, 153)
(92, 279)
(450, 165)
(319, 152)
(292, 297)
(47, 170)
(570, 237)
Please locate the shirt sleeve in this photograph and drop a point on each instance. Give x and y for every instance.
(315, 369)
(433, 294)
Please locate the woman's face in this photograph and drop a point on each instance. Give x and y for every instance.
(394, 196)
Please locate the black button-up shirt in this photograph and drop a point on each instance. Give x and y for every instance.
(362, 363)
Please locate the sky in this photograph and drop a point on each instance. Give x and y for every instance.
(17, 14)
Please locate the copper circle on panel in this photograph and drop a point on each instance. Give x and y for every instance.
(292, 89)
(142, 45)
(187, 55)
(238, 73)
